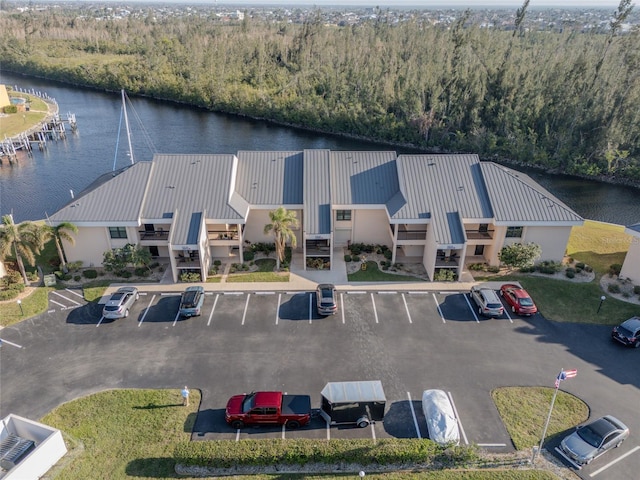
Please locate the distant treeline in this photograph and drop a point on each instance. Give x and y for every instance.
(563, 101)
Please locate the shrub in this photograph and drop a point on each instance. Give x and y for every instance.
(388, 254)
(477, 267)
(355, 258)
(8, 294)
(9, 109)
(217, 263)
(355, 249)
(613, 288)
(77, 278)
(385, 267)
(74, 266)
(570, 272)
(580, 265)
(12, 278)
(549, 267)
(529, 269)
(90, 273)
(125, 274)
(493, 269)
(614, 269)
(588, 268)
(347, 258)
(33, 276)
(141, 272)
(190, 277)
(16, 287)
(444, 275)
(248, 255)
(636, 289)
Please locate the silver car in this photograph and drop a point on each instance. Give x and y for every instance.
(120, 302)
(487, 300)
(592, 440)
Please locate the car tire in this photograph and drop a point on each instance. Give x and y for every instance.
(237, 424)
(637, 344)
(363, 422)
(480, 310)
(501, 293)
(126, 313)
(137, 296)
(618, 444)
(293, 424)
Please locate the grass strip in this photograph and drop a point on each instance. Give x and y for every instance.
(36, 303)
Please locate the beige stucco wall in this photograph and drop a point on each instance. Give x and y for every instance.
(90, 245)
(371, 226)
(631, 265)
(257, 219)
(552, 240)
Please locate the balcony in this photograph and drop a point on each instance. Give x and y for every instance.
(153, 235)
(216, 235)
(479, 234)
(412, 234)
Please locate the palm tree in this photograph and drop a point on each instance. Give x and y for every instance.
(22, 240)
(282, 223)
(62, 232)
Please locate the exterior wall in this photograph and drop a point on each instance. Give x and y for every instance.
(90, 245)
(631, 265)
(371, 226)
(257, 219)
(342, 236)
(412, 250)
(430, 253)
(552, 240)
(492, 251)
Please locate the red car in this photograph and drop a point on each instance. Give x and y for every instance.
(519, 299)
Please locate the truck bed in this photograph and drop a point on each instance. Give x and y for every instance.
(296, 404)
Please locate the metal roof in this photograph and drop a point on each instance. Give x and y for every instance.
(317, 192)
(363, 178)
(365, 391)
(518, 199)
(635, 227)
(270, 178)
(115, 197)
(445, 189)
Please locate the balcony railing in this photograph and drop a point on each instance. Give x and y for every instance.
(154, 234)
(412, 234)
(222, 235)
(479, 234)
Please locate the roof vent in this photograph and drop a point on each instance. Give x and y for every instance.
(171, 186)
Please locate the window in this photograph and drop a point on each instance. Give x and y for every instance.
(343, 215)
(514, 232)
(118, 232)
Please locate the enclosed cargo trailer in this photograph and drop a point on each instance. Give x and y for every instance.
(360, 403)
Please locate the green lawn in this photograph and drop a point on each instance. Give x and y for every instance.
(258, 277)
(374, 274)
(16, 123)
(598, 244)
(32, 305)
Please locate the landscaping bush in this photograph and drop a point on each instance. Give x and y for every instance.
(588, 268)
(288, 252)
(9, 109)
(580, 265)
(529, 269)
(142, 272)
(248, 255)
(33, 276)
(125, 274)
(493, 269)
(154, 265)
(355, 249)
(636, 289)
(90, 273)
(570, 272)
(549, 267)
(77, 278)
(614, 269)
(388, 254)
(190, 277)
(476, 267)
(355, 258)
(8, 294)
(11, 278)
(217, 263)
(614, 288)
(347, 258)
(444, 275)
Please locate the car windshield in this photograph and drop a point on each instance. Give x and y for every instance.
(590, 436)
(624, 331)
(112, 308)
(117, 296)
(248, 402)
(494, 305)
(189, 299)
(526, 302)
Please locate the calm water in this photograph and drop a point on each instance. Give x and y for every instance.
(41, 184)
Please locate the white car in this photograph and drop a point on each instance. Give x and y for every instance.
(441, 419)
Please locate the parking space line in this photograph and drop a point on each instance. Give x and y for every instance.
(2, 341)
(233, 293)
(170, 294)
(66, 298)
(438, 307)
(342, 307)
(283, 429)
(246, 307)
(387, 292)
(237, 435)
(448, 293)
(491, 444)
(278, 309)
(406, 307)
(356, 292)
(100, 321)
(264, 293)
(59, 304)
(215, 302)
(146, 310)
(413, 414)
(175, 320)
(613, 462)
(74, 293)
(328, 430)
(310, 307)
(471, 308)
(418, 293)
(507, 314)
(375, 312)
(455, 410)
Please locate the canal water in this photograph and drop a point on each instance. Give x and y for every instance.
(41, 184)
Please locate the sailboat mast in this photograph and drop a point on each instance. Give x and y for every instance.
(126, 123)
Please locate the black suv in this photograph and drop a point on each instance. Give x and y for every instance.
(628, 333)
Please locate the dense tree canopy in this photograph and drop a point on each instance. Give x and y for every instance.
(566, 101)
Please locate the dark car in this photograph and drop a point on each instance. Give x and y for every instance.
(628, 333)
(120, 302)
(590, 441)
(326, 299)
(518, 299)
(191, 301)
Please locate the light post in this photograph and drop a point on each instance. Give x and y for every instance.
(361, 474)
(602, 299)
(21, 310)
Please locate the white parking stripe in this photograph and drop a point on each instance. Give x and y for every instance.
(233, 293)
(387, 292)
(265, 293)
(175, 320)
(146, 310)
(356, 292)
(310, 307)
(438, 306)
(278, 309)
(246, 307)
(283, 428)
(375, 312)
(455, 410)
(491, 444)
(66, 298)
(74, 293)
(373, 432)
(613, 462)
(328, 430)
(10, 343)
(342, 306)
(237, 435)
(100, 321)
(448, 293)
(418, 293)
(472, 309)
(215, 302)
(59, 304)
(413, 414)
(507, 314)
(406, 307)
(170, 294)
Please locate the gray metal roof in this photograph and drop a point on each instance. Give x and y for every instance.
(445, 188)
(518, 199)
(635, 227)
(270, 178)
(113, 198)
(362, 391)
(317, 192)
(363, 178)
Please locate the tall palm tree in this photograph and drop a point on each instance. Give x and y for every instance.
(61, 232)
(282, 224)
(22, 240)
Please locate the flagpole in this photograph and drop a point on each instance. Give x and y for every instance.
(546, 425)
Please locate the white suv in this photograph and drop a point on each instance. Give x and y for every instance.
(488, 302)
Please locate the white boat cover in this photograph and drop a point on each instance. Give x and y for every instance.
(441, 420)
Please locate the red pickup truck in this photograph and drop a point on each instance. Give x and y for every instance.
(268, 408)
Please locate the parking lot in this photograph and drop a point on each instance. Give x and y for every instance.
(244, 341)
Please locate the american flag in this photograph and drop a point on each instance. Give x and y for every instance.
(564, 374)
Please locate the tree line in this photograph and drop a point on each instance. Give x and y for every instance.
(563, 101)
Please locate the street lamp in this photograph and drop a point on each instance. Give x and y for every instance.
(361, 474)
(21, 310)
(602, 299)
